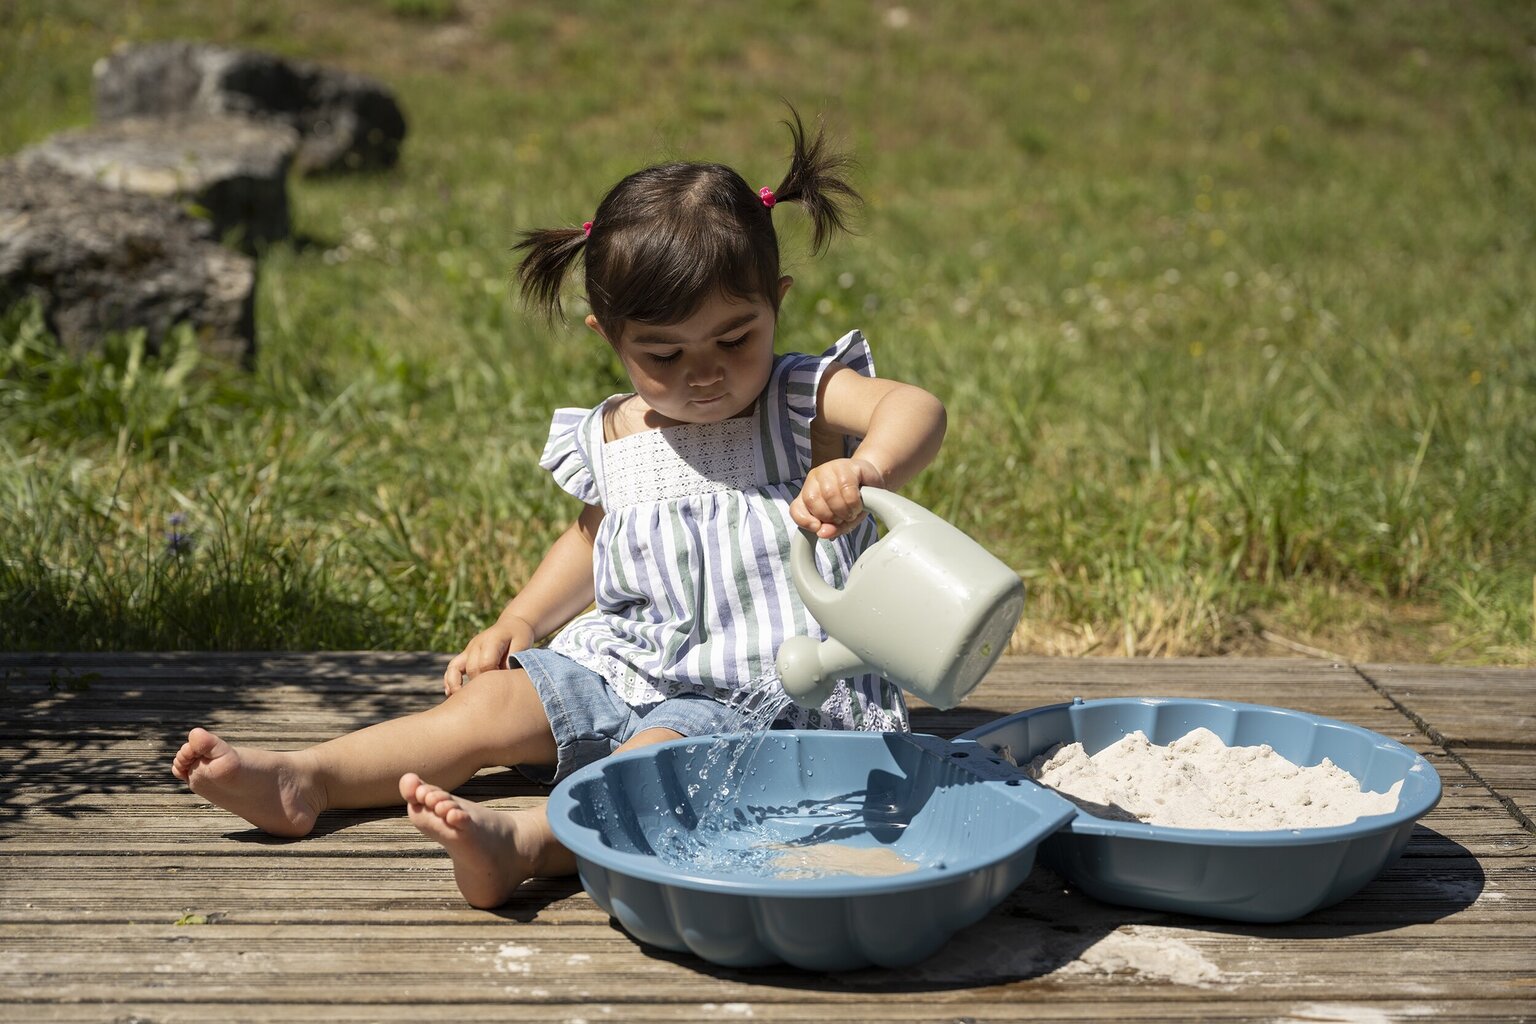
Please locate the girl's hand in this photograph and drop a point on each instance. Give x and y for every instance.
(830, 504)
(486, 652)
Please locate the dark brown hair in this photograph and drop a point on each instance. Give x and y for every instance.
(667, 238)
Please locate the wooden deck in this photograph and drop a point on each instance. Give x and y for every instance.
(123, 897)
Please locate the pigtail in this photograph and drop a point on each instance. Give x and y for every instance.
(541, 274)
(817, 180)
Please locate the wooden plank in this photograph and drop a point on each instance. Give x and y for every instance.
(812, 1007)
(227, 664)
(1486, 718)
(1030, 952)
(1479, 707)
(101, 852)
(1032, 941)
(251, 889)
(1510, 773)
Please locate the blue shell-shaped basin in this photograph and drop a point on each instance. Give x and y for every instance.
(721, 847)
(1257, 876)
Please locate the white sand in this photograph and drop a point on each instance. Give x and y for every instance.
(825, 859)
(1197, 781)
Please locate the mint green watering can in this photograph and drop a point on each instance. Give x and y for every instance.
(925, 606)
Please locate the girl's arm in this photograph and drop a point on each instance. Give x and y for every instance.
(902, 427)
(558, 591)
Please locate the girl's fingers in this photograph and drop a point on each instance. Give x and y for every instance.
(822, 502)
(802, 516)
(491, 657)
(813, 511)
(842, 526)
(834, 492)
(841, 505)
(848, 506)
(454, 677)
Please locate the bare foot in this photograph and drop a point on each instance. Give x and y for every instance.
(267, 788)
(493, 851)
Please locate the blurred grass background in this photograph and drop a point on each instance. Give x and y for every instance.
(1231, 305)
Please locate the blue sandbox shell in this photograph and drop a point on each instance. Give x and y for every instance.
(1242, 876)
(961, 813)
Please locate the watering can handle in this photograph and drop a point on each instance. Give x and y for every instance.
(893, 511)
(814, 590)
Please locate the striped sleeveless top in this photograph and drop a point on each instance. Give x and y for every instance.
(692, 557)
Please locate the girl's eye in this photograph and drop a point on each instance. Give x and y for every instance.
(735, 342)
(672, 358)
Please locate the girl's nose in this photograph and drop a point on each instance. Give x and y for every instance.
(704, 372)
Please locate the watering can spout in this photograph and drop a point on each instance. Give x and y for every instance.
(925, 606)
(810, 669)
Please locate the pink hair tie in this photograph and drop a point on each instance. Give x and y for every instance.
(586, 229)
(766, 195)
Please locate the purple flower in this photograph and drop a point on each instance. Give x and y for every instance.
(177, 543)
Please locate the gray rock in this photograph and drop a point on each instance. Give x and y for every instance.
(234, 168)
(346, 121)
(101, 261)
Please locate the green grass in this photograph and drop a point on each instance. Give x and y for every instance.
(1231, 305)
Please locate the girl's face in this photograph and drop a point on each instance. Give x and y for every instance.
(707, 368)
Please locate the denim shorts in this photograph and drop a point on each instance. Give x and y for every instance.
(590, 721)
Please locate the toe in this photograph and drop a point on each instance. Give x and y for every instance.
(203, 743)
(436, 800)
(186, 759)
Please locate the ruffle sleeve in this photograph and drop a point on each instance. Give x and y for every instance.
(803, 381)
(566, 457)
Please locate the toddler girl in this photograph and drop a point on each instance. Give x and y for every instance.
(691, 486)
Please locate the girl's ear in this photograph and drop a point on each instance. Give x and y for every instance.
(592, 323)
(784, 283)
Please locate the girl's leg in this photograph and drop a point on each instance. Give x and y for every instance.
(495, 851)
(495, 719)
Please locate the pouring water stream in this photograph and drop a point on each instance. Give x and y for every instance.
(927, 607)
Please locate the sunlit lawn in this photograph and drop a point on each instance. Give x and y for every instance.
(1231, 305)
